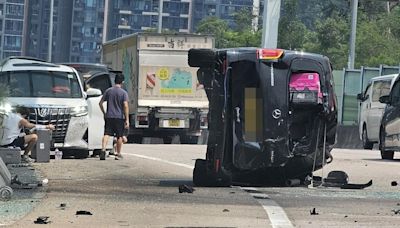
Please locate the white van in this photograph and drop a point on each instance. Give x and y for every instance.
(371, 110)
(54, 94)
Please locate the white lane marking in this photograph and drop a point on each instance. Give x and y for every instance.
(161, 160)
(276, 214)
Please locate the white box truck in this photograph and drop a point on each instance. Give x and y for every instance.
(165, 97)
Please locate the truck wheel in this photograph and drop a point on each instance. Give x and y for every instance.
(366, 143)
(167, 139)
(201, 57)
(200, 177)
(186, 139)
(387, 154)
(5, 193)
(81, 154)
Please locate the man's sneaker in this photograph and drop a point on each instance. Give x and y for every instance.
(27, 159)
(111, 153)
(102, 155)
(118, 157)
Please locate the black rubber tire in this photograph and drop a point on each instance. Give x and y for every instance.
(200, 177)
(366, 143)
(200, 57)
(185, 139)
(81, 154)
(387, 155)
(167, 139)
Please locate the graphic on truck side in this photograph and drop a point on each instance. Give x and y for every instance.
(180, 82)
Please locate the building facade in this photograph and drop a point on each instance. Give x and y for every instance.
(11, 27)
(127, 17)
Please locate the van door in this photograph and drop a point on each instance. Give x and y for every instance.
(375, 110)
(392, 118)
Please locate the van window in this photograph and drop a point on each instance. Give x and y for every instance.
(41, 84)
(101, 82)
(380, 88)
(367, 91)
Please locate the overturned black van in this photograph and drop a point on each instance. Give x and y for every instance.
(272, 115)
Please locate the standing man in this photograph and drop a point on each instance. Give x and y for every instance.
(13, 124)
(117, 116)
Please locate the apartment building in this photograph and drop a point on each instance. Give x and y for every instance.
(11, 27)
(127, 17)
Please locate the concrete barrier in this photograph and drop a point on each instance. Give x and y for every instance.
(348, 137)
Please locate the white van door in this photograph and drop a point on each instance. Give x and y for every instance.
(375, 108)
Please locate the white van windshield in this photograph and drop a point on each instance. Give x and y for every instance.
(41, 84)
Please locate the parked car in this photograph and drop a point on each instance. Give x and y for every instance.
(389, 133)
(371, 110)
(54, 94)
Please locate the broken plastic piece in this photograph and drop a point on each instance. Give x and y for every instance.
(42, 220)
(313, 212)
(83, 213)
(394, 183)
(185, 188)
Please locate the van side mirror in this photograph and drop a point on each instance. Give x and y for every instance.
(385, 99)
(361, 98)
(92, 92)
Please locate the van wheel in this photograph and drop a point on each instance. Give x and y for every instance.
(366, 143)
(387, 154)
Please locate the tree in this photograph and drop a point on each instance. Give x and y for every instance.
(216, 27)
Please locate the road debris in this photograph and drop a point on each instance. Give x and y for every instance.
(396, 211)
(314, 212)
(394, 183)
(42, 220)
(225, 210)
(186, 188)
(83, 213)
(63, 206)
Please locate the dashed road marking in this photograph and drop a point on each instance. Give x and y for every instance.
(276, 214)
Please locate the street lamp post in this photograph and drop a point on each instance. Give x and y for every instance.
(271, 16)
(160, 10)
(50, 47)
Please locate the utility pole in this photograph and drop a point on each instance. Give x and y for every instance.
(105, 22)
(272, 9)
(160, 10)
(256, 12)
(50, 47)
(352, 51)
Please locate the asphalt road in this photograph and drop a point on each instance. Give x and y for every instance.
(142, 191)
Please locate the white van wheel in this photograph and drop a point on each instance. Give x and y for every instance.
(366, 143)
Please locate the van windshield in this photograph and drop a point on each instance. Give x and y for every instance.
(41, 84)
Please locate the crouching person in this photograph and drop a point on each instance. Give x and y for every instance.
(13, 124)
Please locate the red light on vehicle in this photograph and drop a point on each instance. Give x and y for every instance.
(269, 53)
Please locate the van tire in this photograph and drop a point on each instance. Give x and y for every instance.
(366, 143)
(201, 57)
(387, 155)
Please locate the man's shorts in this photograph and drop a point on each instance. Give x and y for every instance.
(114, 127)
(18, 142)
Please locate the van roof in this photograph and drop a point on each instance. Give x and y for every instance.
(383, 77)
(20, 63)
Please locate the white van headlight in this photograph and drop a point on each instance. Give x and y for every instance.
(5, 108)
(79, 111)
